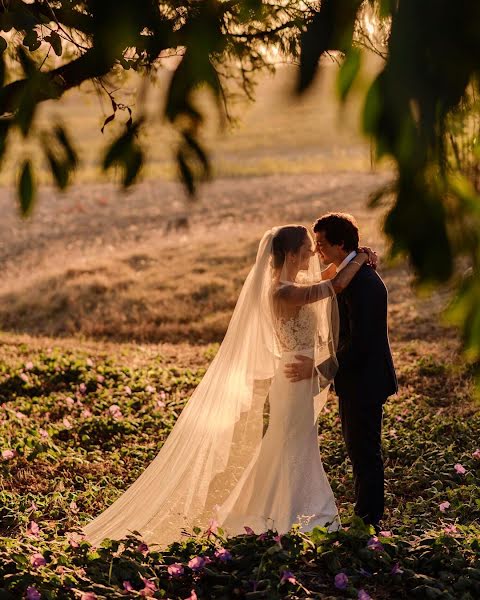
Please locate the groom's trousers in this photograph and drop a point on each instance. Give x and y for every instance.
(362, 431)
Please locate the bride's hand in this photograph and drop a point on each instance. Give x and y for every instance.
(372, 255)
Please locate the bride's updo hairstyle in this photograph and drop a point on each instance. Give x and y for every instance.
(287, 239)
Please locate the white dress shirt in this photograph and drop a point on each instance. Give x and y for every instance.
(346, 260)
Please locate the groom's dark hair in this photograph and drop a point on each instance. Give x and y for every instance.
(340, 230)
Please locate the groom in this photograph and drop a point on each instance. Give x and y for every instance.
(366, 375)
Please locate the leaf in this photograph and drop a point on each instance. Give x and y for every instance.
(56, 42)
(348, 72)
(31, 40)
(59, 170)
(67, 146)
(107, 121)
(186, 173)
(26, 189)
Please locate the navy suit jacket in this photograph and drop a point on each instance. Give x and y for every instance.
(366, 368)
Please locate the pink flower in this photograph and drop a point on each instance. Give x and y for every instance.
(175, 570)
(37, 560)
(75, 538)
(86, 413)
(197, 563)
(385, 533)
(460, 469)
(341, 581)
(149, 589)
(223, 554)
(374, 544)
(393, 433)
(212, 527)
(396, 570)
(89, 362)
(33, 506)
(143, 548)
(83, 388)
(33, 593)
(160, 404)
(73, 507)
(43, 433)
(163, 395)
(127, 586)
(33, 529)
(115, 411)
(444, 505)
(20, 415)
(278, 539)
(362, 595)
(249, 531)
(476, 454)
(288, 576)
(67, 423)
(262, 536)
(29, 365)
(69, 401)
(24, 377)
(450, 529)
(193, 596)
(128, 390)
(8, 454)
(398, 418)
(88, 596)
(100, 378)
(150, 389)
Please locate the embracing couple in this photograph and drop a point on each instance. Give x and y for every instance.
(301, 323)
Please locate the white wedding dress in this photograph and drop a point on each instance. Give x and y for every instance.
(216, 464)
(285, 482)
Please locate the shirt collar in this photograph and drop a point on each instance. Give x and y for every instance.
(346, 260)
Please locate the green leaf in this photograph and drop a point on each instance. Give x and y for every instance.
(348, 72)
(56, 42)
(31, 40)
(64, 141)
(26, 189)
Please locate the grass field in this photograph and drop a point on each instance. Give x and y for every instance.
(110, 314)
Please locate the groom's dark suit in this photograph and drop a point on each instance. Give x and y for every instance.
(365, 379)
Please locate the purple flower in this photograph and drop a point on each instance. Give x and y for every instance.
(362, 595)
(149, 589)
(262, 536)
(37, 560)
(33, 593)
(33, 529)
(396, 570)
(223, 554)
(444, 505)
(385, 533)
(341, 581)
(127, 586)
(288, 576)
(143, 548)
(197, 563)
(374, 544)
(212, 527)
(175, 570)
(249, 530)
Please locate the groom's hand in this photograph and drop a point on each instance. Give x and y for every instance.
(297, 371)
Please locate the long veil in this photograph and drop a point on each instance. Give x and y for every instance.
(218, 431)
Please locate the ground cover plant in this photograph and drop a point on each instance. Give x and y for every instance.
(79, 421)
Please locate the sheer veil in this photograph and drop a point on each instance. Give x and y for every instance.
(220, 428)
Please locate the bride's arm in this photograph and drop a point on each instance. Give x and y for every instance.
(329, 272)
(298, 295)
(342, 279)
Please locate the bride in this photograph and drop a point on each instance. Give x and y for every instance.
(218, 464)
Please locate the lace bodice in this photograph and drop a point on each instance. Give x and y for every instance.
(297, 332)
